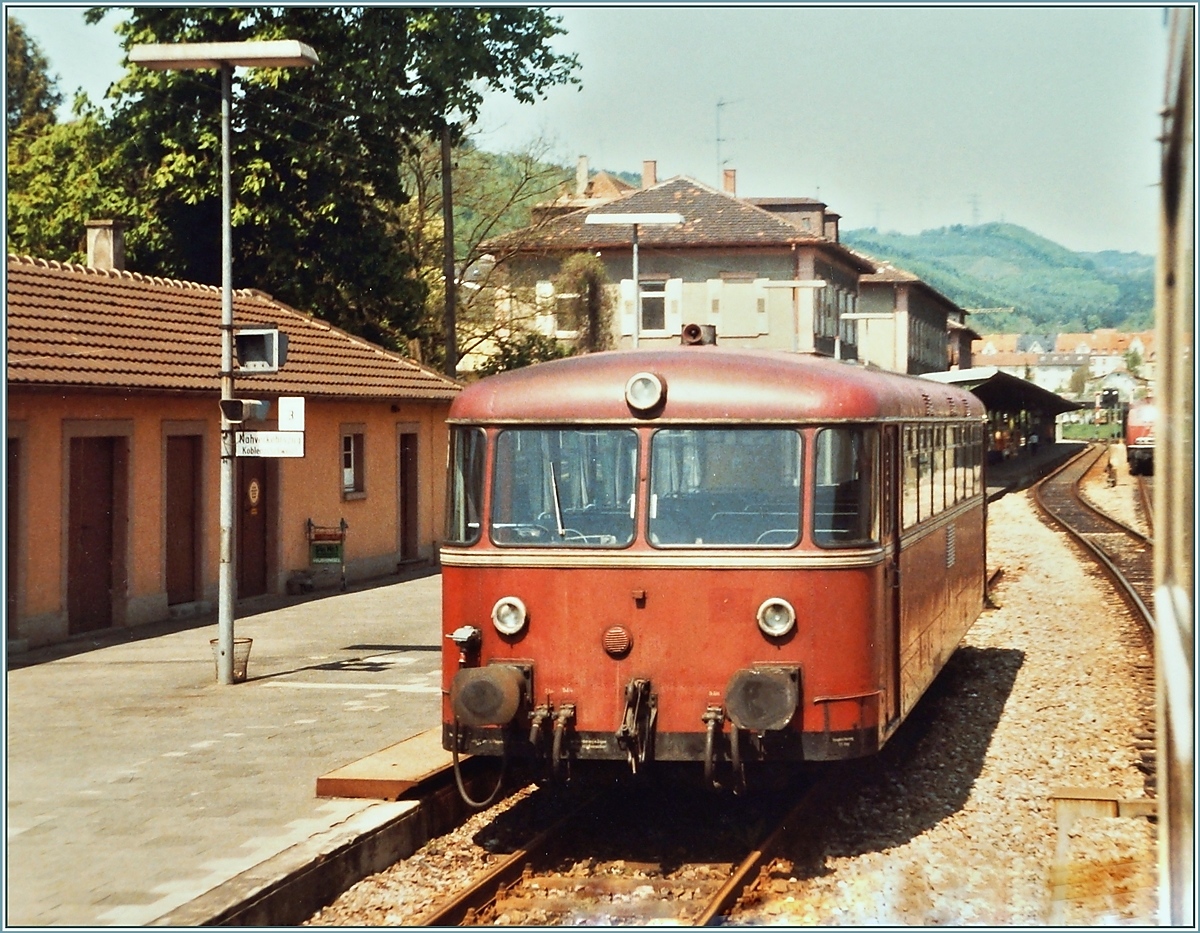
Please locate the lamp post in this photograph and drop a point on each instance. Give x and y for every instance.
(635, 220)
(225, 56)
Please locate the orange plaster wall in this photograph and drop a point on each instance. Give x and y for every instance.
(306, 487)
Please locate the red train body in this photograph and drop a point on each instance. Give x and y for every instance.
(705, 554)
(1139, 437)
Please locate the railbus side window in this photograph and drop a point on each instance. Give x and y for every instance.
(925, 466)
(938, 458)
(954, 454)
(720, 487)
(912, 474)
(467, 446)
(974, 457)
(844, 512)
(569, 487)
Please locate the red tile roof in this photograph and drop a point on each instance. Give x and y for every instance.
(70, 325)
(711, 219)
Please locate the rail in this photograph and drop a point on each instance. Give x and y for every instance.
(1125, 554)
(540, 884)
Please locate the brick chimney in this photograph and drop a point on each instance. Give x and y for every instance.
(649, 173)
(581, 176)
(106, 244)
(730, 180)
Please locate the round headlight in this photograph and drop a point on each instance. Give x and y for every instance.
(776, 617)
(508, 615)
(644, 390)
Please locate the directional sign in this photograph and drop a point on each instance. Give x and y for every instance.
(270, 443)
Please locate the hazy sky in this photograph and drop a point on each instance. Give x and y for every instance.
(901, 118)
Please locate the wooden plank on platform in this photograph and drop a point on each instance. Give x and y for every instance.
(390, 772)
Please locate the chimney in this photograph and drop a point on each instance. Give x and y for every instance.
(581, 177)
(730, 180)
(106, 244)
(649, 173)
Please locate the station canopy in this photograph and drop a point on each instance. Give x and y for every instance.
(1000, 391)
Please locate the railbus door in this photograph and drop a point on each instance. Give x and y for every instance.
(889, 530)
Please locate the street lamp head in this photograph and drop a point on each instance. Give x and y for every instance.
(194, 56)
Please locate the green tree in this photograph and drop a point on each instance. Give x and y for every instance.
(65, 175)
(32, 93)
(317, 177)
(1133, 362)
(584, 276)
(1079, 380)
(520, 349)
(493, 194)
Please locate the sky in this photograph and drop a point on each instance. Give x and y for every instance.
(901, 118)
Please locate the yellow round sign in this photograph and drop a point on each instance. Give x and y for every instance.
(254, 493)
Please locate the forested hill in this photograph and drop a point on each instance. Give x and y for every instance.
(1002, 265)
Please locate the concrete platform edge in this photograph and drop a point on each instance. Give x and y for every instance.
(289, 888)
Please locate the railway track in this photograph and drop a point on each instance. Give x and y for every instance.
(1127, 558)
(1125, 554)
(667, 856)
(1145, 500)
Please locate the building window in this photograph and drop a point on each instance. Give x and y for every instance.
(352, 462)
(654, 305)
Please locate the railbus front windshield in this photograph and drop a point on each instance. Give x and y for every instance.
(725, 487)
(573, 487)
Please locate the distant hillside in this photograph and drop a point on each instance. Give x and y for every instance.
(1002, 265)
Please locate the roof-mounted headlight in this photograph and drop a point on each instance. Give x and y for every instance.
(776, 617)
(509, 615)
(645, 391)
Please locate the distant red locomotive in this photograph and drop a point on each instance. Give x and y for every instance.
(704, 554)
(1139, 437)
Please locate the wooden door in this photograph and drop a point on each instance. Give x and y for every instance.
(90, 534)
(253, 514)
(409, 516)
(12, 491)
(183, 471)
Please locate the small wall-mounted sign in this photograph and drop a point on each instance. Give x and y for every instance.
(270, 443)
(325, 552)
(291, 413)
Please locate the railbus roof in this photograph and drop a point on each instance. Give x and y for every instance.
(709, 384)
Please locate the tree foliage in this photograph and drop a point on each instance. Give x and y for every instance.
(31, 91)
(520, 349)
(315, 152)
(584, 276)
(493, 194)
(66, 174)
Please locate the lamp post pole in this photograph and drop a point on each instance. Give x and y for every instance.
(225, 578)
(660, 219)
(224, 57)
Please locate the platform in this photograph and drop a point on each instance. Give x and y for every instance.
(138, 786)
(390, 773)
(1025, 469)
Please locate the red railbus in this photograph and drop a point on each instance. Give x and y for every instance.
(704, 554)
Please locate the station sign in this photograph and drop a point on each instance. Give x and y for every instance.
(270, 443)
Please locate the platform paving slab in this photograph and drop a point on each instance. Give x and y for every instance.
(137, 783)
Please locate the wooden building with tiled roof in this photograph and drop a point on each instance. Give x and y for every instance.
(113, 451)
(743, 268)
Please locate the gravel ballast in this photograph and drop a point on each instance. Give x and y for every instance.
(1056, 662)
